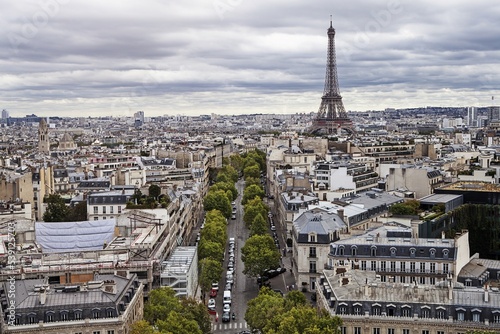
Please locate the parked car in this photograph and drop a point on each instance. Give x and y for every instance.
(261, 279)
(228, 287)
(211, 304)
(233, 217)
(226, 317)
(227, 308)
(213, 293)
(273, 228)
(215, 286)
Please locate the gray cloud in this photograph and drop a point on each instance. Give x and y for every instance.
(68, 57)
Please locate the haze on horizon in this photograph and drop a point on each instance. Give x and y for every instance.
(89, 58)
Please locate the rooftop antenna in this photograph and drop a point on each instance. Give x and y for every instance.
(331, 26)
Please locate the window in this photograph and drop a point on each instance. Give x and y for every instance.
(390, 331)
(496, 318)
(383, 278)
(461, 315)
(393, 251)
(64, 316)
(425, 313)
(50, 317)
(32, 319)
(439, 332)
(373, 265)
(376, 310)
(111, 331)
(109, 313)
(354, 250)
(476, 316)
(406, 331)
(422, 280)
(343, 310)
(432, 252)
(403, 267)
(96, 218)
(111, 209)
(402, 279)
(96, 210)
(341, 250)
(425, 331)
(312, 266)
(343, 330)
(95, 314)
(412, 252)
(393, 266)
(103, 218)
(312, 251)
(412, 267)
(103, 209)
(96, 332)
(422, 267)
(119, 209)
(376, 330)
(357, 310)
(382, 266)
(357, 330)
(445, 268)
(432, 280)
(406, 311)
(373, 251)
(78, 315)
(445, 253)
(363, 265)
(432, 268)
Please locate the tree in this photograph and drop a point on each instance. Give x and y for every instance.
(78, 212)
(219, 201)
(252, 171)
(210, 249)
(160, 303)
(57, 210)
(215, 232)
(154, 191)
(215, 216)
(263, 308)
(251, 192)
(237, 162)
(198, 312)
(231, 174)
(258, 226)
(252, 180)
(406, 208)
(252, 209)
(176, 323)
(294, 298)
(210, 271)
(142, 327)
(259, 254)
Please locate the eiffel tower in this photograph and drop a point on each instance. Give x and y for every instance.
(331, 117)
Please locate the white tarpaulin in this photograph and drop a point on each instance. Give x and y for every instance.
(74, 236)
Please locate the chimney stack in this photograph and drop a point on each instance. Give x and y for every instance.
(486, 293)
(43, 296)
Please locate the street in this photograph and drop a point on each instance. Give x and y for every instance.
(244, 289)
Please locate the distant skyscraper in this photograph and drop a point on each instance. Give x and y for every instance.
(472, 116)
(139, 116)
(493, 113)
(5, 114)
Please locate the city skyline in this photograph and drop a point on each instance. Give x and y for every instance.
(234, 57)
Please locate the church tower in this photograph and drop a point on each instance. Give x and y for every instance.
(43, 137)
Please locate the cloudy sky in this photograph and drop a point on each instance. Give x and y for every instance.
(90, 58)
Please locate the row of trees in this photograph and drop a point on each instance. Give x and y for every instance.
(58, 211)
(259, 252)
(272, 313)
(223, 192)
(164, 313)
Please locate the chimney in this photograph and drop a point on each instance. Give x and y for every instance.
(442, 235)
(450, 289)
(367, 288)
(486, 293)
(43, 296)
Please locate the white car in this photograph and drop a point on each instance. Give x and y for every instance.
(227, 308)
(211, 304)
(215, 286)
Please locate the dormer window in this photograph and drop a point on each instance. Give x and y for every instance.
(312, 237)
(445, 253)
(341, 250)
(373, 250)
(412, 252)
(354, 250)
(432, 252)
(393, 251)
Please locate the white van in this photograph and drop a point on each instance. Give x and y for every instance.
(231, 241)
(227, 297)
